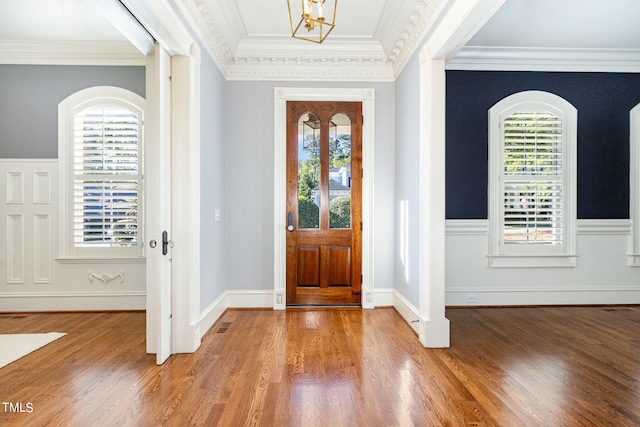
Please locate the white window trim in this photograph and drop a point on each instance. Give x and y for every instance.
(66, 112)
(554, 104)
(634, 185)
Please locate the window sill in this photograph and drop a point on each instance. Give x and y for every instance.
(532, 261)
(71, 260)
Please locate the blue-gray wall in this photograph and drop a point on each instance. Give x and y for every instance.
(407, 142)
(213, 257)
(29, 98)
(603, 101)
(250, 191)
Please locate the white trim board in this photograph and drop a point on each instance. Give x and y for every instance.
(72, 301)
(71, 53)
(471, 227)
(477, 58)
(529, 297)
(281, 96)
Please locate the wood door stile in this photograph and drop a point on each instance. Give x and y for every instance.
(324, 264)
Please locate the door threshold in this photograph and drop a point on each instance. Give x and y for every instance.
(345, 305)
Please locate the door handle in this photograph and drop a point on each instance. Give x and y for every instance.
(166, 243)
(290, 221)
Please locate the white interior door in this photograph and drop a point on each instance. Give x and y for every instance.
(158, 206)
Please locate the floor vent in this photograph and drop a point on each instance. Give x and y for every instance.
(223, 327)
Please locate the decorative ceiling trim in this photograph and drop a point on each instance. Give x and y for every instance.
(421, 20)
(545, 59)
(273, 69)
(71, 53)
(340, 61)
(200, 19)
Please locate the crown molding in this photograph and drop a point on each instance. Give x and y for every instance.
(545, 59)
(201, 21)
(70, 53)
(274, 69)
(424, 17)
(334, 60)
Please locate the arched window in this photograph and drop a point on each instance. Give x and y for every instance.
(532, 181)
(101, 171)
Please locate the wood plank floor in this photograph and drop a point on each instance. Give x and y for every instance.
(550, 366)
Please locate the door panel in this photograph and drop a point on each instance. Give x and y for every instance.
(339, 266)
(324, 194)
(309, 266)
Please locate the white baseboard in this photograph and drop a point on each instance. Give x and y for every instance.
(71, 301)
(249, 299)
(408, 312)
(212, 313)
(384, 297)
(233, 299)
(577, 296)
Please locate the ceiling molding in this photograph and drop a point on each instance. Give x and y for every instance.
(545, 59)
(424, 17)
(71, 53)
(274, 69)
(200, 19)
(252, 59)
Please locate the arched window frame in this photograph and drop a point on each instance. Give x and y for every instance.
(67, 111)
(634, 185)
(562, 253)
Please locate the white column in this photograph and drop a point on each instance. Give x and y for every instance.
(434, 326)
(186, 200)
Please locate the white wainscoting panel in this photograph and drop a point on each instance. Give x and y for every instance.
(15, 248)
(15, 187)
(41, 248)
(602, 274)
(41, 188)
(31, 278)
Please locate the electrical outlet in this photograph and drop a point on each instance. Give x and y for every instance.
(279, 298)
(472, 298)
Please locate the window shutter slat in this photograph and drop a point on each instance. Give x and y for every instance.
(532, 182)
(107, 180)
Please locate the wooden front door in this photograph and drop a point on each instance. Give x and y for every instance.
(324, 202)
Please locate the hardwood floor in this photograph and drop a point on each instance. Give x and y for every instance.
(546, 366)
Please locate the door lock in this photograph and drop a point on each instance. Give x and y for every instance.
(290, 221)
(153, 244)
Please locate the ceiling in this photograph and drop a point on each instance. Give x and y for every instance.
(372, 39)
(54, 20)
(575, 24)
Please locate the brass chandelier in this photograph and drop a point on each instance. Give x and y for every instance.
(314, 24)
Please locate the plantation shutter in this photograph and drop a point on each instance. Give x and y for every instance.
(107, 179)
(532, 179)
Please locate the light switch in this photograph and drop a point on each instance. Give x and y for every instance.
(216, 215)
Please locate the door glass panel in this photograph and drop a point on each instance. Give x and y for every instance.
(309, 171)
(340, 171)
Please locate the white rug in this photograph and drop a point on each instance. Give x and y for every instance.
(15, 346)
